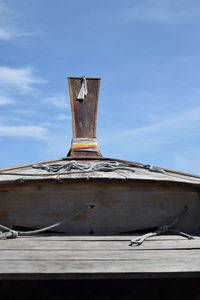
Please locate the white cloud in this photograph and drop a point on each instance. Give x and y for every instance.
(62, 117)
(59, 101)
(172, 129)
(36, 132)
(22, 111)
(188, 161)
(7, 34)
(167, 11)
(4, 8)
(5, 100)
(172, 142)
(59, 148)
(10, 27)
(22, 79)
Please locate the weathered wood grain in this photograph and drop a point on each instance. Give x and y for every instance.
(22, 174)
(86, 244)
(102, 255)
(93, 237)
(84, 112)
(69, 257)
(140, 268)
(118, 208)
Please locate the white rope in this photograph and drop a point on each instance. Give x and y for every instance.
(75, 167)
(163, 229)
(72, 167)
(13, 234)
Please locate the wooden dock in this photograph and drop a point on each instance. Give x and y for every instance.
(98, 257)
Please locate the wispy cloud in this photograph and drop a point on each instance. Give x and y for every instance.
(10, 28)
(4, 8)
(22, 79)
(5, 100)
(5, 34)
(167, 11)
(35, 132)
(172, 129)
(8, 34)
(62, 117)
(188, 161)
(171, 142)
(21, 111)
(58, 100)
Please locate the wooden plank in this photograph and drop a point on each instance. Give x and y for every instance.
(138, 174)
(135, 268)
(29, 174)
(73, 257)
(92, 237)
(102, 255)
(84, 112)
(74, 245)
(118, 208)
(61, 160)
(38, 176)
(141, 173)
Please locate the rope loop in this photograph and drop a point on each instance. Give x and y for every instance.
(14, 234)
(163, 229)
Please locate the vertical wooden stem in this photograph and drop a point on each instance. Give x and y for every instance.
(84, 115)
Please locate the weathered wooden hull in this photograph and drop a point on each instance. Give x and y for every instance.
(118, 207)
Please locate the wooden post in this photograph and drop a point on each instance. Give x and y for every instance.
(84, 94)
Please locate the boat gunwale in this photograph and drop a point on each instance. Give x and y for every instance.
(63, 181)
(93, 158)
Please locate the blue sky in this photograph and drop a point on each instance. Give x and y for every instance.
(147, 53)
